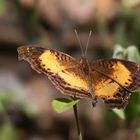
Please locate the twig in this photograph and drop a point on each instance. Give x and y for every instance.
(77, 122)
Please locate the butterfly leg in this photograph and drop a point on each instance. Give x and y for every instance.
(94, 102)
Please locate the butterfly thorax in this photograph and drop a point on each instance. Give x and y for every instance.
(85, 65)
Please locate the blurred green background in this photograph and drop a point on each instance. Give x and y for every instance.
(25, 96)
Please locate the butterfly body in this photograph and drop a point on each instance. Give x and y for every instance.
(86, 68)
(111, 80)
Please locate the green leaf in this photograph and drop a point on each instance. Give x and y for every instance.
(132, 54)
(62, 104)
(118, 52)
(132, 110)
(2, 6)
(138, 132)
(120, 33)
(120, 113)
(8, 132)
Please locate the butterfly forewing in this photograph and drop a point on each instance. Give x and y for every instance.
(63, 70)
(125, 73)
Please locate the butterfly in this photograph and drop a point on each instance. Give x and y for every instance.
(112, 80)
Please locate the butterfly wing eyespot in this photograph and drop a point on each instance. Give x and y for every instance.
(63, 70)
(118, 79)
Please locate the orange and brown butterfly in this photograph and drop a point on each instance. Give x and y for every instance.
(111, 80)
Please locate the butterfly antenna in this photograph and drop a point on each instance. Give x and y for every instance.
(90, 33)
(79, 42)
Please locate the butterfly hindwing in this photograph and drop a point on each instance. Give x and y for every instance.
(118, 78)
(110, 91)
(63, 70)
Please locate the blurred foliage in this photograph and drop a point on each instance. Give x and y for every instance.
(8, 132)
(14, 115)
(7, 129)
(138, 132)
(2, 6)
(130, 3)
(5, 98)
